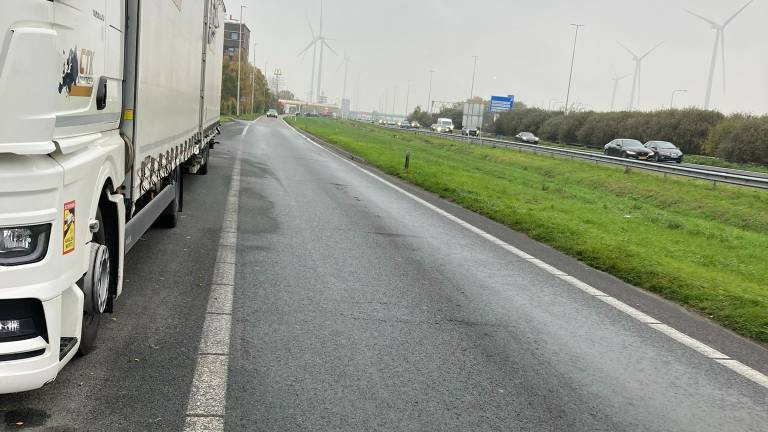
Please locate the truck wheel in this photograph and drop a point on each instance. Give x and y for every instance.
(170, 216)
(95, 286)
(204, 167)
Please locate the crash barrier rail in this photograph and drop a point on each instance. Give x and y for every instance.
(697, 173)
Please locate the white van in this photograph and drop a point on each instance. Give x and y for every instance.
(444, 125)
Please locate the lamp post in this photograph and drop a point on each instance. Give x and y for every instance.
(239, 56)
(253, 79)
(407, 98)
(429, 97)
(672, 100)
(474, 72)
(573, 59)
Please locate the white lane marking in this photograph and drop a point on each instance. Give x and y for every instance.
(738, 367)
(690, 342)
(207, 398)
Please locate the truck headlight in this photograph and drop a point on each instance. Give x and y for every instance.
(23, 245)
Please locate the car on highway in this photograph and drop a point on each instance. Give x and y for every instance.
(404, 124)
(665, 151)
(628, 149)
(527, 137)
(443, 125)
(415, 125)
(272, 113)
(475, 132)
(391, 123)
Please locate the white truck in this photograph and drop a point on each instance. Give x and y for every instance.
(104, 104)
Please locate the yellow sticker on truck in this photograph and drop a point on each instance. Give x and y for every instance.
(69, 227)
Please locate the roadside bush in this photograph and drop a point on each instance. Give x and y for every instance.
(687, 128)
(741, 139)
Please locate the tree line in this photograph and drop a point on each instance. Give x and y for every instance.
(736, 138)
(258, 87)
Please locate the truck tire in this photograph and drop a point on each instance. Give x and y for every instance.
(204, 167)
(95, 281)
(170, 216)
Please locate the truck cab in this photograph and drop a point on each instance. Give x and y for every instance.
(78, 173)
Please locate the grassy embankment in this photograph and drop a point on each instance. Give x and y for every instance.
(694, 159)
(231, 117)
(701, 245)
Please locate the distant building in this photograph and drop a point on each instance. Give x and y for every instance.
(323, 100)
(232, 38)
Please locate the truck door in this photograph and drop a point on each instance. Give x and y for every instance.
(90, 49)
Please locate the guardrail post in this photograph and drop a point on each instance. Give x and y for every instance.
(407, 159)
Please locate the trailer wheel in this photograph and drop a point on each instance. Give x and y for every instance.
(204, 167)
(170, 216)
(95, 286)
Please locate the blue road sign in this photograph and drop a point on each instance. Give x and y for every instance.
(501, 103)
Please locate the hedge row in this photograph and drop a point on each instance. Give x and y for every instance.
(688, 129)
(736, 138)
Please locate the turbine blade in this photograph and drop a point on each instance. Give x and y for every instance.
(329, 47)
(728, 21)
(307, 48)
(652, 50)
(311, 27)
(627, 50)
(714, 24)
(722, 49)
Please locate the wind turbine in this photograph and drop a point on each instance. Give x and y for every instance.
(313, 45)
(638, 67)
(719, 43)
(323, 44)
(616, 80)
(344, 88)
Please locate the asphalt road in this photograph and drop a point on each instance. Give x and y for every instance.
(357, 307)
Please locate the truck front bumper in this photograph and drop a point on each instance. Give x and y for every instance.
(31, 363)
(43, 293)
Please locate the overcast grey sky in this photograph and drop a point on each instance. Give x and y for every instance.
(524, 48)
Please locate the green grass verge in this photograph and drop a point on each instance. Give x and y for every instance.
(230, 117)
(701, 245)
(694, 159)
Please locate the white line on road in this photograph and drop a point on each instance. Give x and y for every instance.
(738, 367)
(207, 398)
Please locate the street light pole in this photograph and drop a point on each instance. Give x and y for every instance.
(474, 72)
(407, 98)
(674, 92)
(429, 94)
(394, 100)
(573, 59)
(253, 79)
(239, 56)
(266, 86)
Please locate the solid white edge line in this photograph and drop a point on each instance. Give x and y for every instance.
(206, 406)
(704, 349)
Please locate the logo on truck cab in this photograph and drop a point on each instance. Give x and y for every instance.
(77, 73)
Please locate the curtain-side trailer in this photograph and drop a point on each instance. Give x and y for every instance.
(104, 104)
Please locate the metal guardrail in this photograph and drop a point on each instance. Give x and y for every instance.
(701, 174)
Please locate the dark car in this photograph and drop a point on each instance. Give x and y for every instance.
(527, 137)
(665, 151)
(628, 149)
(475, 132)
